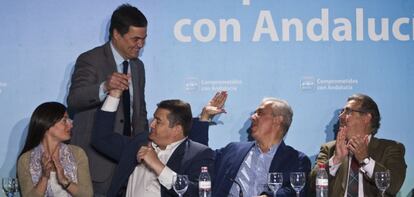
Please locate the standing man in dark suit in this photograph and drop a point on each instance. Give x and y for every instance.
(114, 65)
(352, 160)
(146, 169)
(247, 163)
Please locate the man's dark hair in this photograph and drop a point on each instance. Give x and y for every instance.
(180, 114)
(368, 105)
(123, 17)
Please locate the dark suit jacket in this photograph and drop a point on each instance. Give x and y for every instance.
(187, 159)
(91, 69)
(230, 158)
(387, 155)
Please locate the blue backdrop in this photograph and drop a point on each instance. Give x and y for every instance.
(312, 53)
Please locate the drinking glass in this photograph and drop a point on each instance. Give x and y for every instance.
(297, 180)
(180, 184)
(10, 186)
(275, 181)
(382, 180)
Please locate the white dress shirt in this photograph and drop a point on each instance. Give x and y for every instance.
(145, 181)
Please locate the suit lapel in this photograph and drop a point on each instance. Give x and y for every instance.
(238, 160)
(137, 75)
(108, 68)
(278, 158)
(110, 60)
(341, 176)
(176, 159)
(344, 172)
(135, 69)
(372, 147)
(128, 162)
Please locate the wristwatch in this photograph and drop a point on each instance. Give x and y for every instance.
(365, 162)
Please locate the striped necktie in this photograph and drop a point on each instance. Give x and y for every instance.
(353, 179)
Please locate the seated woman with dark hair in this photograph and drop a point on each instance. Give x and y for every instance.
(47, 166)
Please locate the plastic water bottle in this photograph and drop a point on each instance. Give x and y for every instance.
(321, 181)
(204, 183)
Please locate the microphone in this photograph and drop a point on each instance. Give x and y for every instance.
(238, 185)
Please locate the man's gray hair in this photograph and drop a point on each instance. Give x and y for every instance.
(282, 108)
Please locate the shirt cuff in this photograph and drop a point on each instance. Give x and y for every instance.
(111, 104)
(166, 177)
(369, 168)
(333, 168)
(102, 91)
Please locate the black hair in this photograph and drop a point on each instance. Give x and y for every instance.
(43, 117)
(123, 17)
(180, 114)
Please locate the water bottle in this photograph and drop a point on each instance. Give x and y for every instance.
(321, 181)
(204, 183)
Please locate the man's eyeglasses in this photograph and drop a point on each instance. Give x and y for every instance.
(348, 111)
